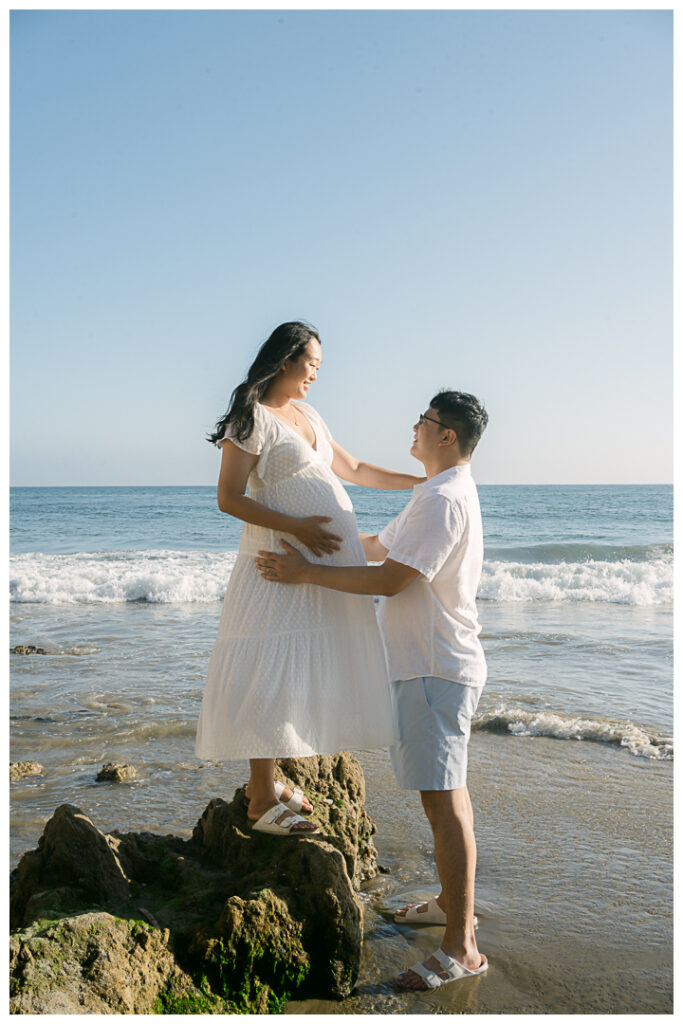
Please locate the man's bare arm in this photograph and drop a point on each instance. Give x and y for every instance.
(386, 579)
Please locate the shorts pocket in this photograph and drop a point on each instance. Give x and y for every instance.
(425, 691)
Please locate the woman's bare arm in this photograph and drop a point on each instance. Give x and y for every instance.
(367, 475)
(236, 465)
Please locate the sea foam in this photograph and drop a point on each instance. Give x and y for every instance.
(160, 577)
(171, 577)
(622, 582)
(519, 722)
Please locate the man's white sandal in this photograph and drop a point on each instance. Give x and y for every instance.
(450, 966)
(296, 800)
(432, 915)
(271, 824)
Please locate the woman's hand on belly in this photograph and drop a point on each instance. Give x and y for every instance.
(315, 537)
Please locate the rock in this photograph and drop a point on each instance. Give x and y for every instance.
(93, 963)
(336, 788)
(27, 649)
(253, 919)
(75, 859)
(308, 875)
(255, 946)
(115, 772)
(20, 769)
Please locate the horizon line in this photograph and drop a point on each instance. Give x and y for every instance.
(347, 484)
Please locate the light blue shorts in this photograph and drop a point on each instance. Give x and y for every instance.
(432, 719)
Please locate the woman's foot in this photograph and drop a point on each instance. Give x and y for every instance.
(284, 797)
(282, 820)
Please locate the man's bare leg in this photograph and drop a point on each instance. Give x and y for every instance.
(450, 815)
(440, 899)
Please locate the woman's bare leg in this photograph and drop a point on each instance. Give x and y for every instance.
(262, 793)
(261, 786)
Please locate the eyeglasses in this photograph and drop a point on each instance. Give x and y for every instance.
(430, 420)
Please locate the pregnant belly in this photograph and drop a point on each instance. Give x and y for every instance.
(303, 498)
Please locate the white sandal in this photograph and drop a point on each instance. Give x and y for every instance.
(296, 800)
(432, 915)
(280, 820)
(453, 968)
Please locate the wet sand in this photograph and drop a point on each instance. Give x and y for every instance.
(574, 884)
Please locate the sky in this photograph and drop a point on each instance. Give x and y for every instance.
(479, 200)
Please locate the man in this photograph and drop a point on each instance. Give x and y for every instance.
(431, 557)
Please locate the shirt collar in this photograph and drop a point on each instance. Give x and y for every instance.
(446, 476)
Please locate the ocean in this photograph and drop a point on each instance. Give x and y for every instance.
(572, 748)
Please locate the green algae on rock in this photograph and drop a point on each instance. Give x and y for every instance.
(92, 963)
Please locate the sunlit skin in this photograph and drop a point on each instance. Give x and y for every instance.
(449, 812)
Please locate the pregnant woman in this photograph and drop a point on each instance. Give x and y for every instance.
(295, 671)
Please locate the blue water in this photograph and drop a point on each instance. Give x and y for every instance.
(518, 521)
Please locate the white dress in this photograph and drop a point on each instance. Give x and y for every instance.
(296, 669)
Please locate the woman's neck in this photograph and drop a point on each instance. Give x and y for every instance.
(276, 398)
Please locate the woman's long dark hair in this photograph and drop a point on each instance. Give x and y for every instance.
(288, 341)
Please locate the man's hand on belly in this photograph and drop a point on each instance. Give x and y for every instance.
(387, 579)
(288, 568)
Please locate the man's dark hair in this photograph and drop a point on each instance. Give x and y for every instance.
(465, 414)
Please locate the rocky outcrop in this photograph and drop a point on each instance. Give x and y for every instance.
(235, 921)
(94, 963)
(115, 772)
(310, 898)
(75, 865)
(20, 769)
(336, 785)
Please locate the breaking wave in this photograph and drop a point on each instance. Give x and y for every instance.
(173, 577)
(622, 582)
(159, 577)
(635, 738)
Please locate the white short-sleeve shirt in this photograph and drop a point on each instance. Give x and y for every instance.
(431, 628)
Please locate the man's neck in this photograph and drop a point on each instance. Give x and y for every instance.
(438, 465)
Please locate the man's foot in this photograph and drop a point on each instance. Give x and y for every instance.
(283, 823)
(284, 796)
(439, 969)
(430, 912)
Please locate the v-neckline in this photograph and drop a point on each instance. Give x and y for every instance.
(292, 430)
